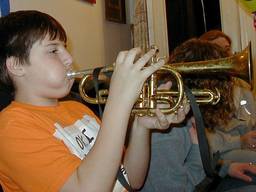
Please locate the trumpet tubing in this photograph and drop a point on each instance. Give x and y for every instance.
(74, 74)
(238, 65)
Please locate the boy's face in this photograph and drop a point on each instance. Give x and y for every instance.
(46, 75)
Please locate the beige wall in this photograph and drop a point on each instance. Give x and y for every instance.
(92, 40)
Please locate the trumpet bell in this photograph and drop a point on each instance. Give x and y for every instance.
(239, 65)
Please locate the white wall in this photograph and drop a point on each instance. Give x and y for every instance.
(92, 40)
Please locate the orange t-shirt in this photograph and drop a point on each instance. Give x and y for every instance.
(32, 159)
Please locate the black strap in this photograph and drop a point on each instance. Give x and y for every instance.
(120, 175)
(212, 178)
(95, 75)
(122, 180)
(202, 139)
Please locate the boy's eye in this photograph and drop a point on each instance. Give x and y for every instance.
(53, 51)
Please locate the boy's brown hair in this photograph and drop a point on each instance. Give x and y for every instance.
(18, 32)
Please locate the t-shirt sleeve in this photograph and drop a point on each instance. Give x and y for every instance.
(34, 158)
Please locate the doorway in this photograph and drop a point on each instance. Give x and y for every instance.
(190, 18)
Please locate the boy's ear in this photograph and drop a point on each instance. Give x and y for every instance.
(14, 67)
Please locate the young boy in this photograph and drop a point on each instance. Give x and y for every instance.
(48, 145)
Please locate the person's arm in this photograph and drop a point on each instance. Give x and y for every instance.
(237, 170)
(224, 166)
(222, 142)
(97, 172)
(246, 110)
(193, 162)
(137, 155)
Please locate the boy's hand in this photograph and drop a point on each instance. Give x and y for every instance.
(238, 170)
(129, 75)
(162, 121)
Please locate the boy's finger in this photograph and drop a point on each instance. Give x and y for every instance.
(120, 57)
(144, 59)
(153, 68)
(186, 105)
(163, 122)
(186, 108)
(130, 56)
(166, 85)
(177, 117)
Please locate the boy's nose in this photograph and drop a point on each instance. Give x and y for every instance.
(68, 60)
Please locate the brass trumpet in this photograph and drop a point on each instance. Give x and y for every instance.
(238, 65)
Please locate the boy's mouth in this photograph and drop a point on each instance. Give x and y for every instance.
(70, 73)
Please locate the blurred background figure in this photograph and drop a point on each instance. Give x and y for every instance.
(176, 163)
(233, 122)
(218, 37)
(223, 40)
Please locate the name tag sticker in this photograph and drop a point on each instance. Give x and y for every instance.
(79, 137)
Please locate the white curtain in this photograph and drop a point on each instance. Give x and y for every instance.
(238, 23)
(140, 25)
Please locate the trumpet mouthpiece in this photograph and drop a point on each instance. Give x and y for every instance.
(71, 74)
